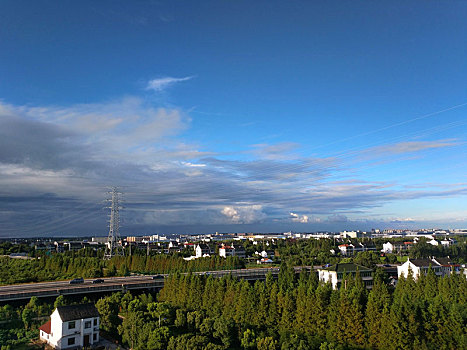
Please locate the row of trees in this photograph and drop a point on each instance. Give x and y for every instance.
(62, 266)
(195, 312)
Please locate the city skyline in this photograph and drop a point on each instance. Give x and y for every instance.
(232, 116)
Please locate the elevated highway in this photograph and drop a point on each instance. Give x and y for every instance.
(114, 284)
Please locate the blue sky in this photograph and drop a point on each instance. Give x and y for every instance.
(232, 115)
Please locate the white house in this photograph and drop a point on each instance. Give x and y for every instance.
(335, 274)
(346, 249)
(388, 248)
(72, 327)
(418, 266)
(226, 251)
(202, 250)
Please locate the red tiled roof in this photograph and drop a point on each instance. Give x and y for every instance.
(46, 327)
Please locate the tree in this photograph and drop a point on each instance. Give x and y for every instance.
(159, 311)
(267, 343)
(377, 306)
(224, 330)
(27, 316)
(108, 311)
(159, 338)
(248, 340)
(131, 326)
(60, 301)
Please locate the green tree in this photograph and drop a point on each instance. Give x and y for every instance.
(267, 343)
(377, 306)
(248, 339)
(27, 316)
(159, 338)
(131, 326)
(60, 301)
(108, 311)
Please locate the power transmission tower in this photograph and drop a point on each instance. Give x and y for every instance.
(113, 246)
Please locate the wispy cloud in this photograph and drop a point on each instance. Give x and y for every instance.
(161, 84)
(413, 146)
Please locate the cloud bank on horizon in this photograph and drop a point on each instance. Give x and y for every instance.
(56, 163)
(232, 116)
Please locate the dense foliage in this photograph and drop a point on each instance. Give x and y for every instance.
(63, 266)
(18, 325)
(195, 312)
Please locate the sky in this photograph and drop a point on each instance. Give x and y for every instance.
(232, 116)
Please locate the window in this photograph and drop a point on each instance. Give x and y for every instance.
(71, 341)
(95, 322)
(87, 324)
(94, 336)
(71, 325)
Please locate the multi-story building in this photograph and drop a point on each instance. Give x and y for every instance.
(72, 327)
(335, 274)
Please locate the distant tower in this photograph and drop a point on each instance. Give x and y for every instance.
(113, 247)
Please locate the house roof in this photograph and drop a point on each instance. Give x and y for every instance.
(46, 327)
(77, 312)
(422, 262)
(348, 267)
(445, 261)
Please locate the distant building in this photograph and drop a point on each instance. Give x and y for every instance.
(346, 249)
(440, 266)
(135, 239)
(173, 244)
(48, 247)
(226, 250)
(59, 247)
(351, 234)
(388, 248)
(73, 245)
(263, 261)
(71, 327)
(335, 274)
(239, 251)
(202, 250)
(101, 240)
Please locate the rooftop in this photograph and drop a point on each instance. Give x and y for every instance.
(422, 262)
(348, 267)
(46, 327)
(77, 312)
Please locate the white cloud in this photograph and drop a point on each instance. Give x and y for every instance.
(247, 214)
(161, 84)
(402, 220)
(231, 213)
(299, 218)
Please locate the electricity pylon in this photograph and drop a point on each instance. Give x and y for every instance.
(113, 246)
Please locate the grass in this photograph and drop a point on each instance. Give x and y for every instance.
(402, 259)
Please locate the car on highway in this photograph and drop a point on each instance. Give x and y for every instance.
(77, 281)
(157, 277)
(99, 280)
